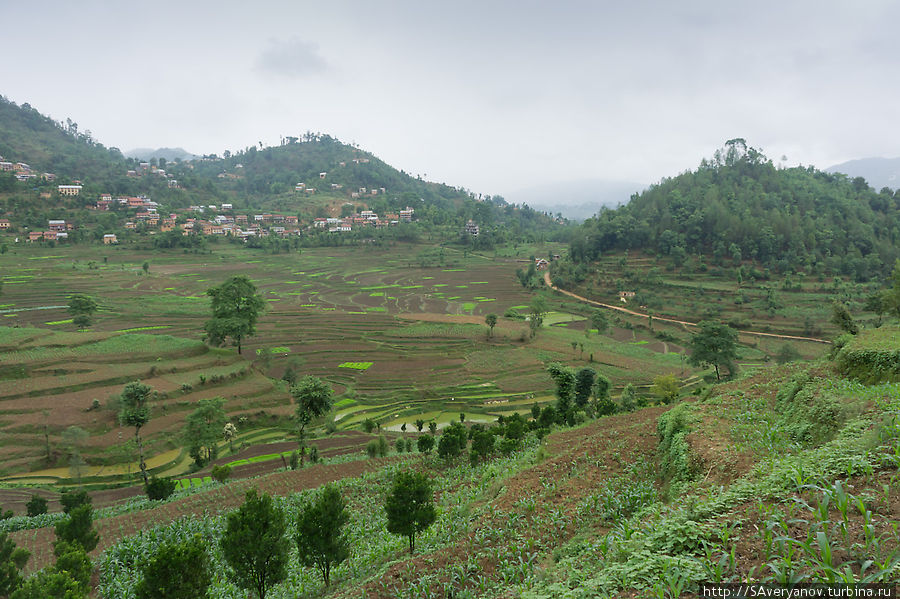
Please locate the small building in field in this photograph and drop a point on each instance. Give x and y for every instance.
(110, 238)
(4, 224)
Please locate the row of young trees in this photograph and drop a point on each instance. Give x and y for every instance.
(256, 544)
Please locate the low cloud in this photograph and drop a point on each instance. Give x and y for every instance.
(292, 58)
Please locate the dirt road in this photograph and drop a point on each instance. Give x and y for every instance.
(661, 319)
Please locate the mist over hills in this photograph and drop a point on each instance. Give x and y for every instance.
(169, 154)
(577, 199)
(878, 172)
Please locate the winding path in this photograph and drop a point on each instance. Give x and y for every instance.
(662, 319)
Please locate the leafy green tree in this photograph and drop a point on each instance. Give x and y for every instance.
(715, 344)
(74, 561)
(176, 570)
(134, 410)
(890, 298)
(841, 318)
(78, 528)
(73, 499)
(320, 539)
(146, 267)
(50, 584)
(584, 386)
(432, 427)
(159, 489)
(628, 398)
(12, 560)
(410, 506)
(236, 306)
(787, 353)
(82, 307)
(537, 310)
(564, 379)
(453, 440)
(667, 387)
(313, 398)
(254, 544)
(491, 321)
(202, 430)
(482, 446)
(599, 321)
(36, 506)
(420, 424)
(74, 438)
(425, 443)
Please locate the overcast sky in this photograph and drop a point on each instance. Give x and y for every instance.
(490, 96)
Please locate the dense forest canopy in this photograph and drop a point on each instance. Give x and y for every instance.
(738, 205)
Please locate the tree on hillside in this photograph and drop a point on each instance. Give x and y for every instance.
(82, 307)
(12, 560)
(603, 403)
(564, 379)
(321, 541)
(254, 544)
(236, 306)
(134, 410)
(841, 318)
(537, 309)
(202, 430)
(584, 385)
(78, 529)
(491, 321)
(313, 399)
(890, 298)
(176, 570)
(599, 321)
(715, 344)
(410, 506)
(667, 387)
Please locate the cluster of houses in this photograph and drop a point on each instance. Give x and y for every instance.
(366, 218)
(22, 171)
(57, 230)
(145, 168)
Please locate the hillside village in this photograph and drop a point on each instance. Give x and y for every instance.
(143, 215)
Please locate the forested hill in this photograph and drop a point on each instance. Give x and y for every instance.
(740, 206)
(28, 136)
(323, 163)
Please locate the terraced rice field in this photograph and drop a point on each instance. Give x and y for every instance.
(420, 333)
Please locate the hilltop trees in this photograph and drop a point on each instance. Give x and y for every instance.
(236, 306)
(739, 206)
(134, 410)
(715, 344)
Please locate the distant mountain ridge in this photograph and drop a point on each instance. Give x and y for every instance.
(878, 172)
(169, 154)
(577, 199)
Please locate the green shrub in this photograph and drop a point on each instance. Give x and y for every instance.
(425, 443)
(221, 473)
(160, 488)
(677, 462)
(36, 506)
